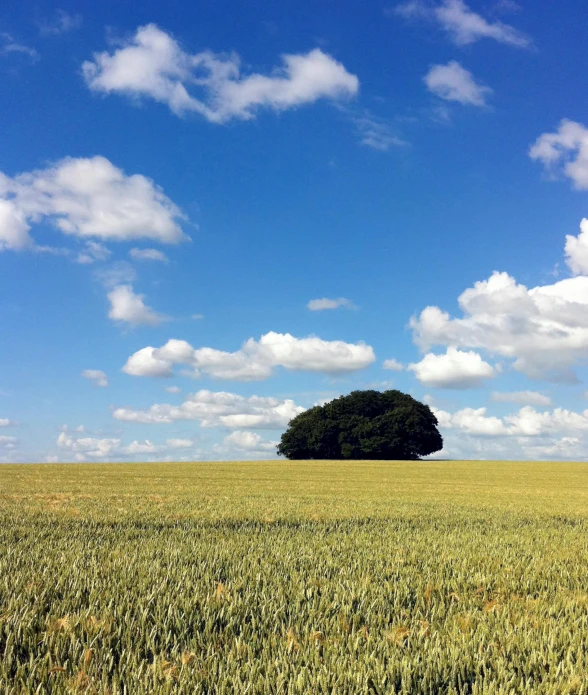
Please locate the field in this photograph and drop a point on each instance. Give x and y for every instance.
(289, 577)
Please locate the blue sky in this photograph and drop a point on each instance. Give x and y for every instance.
(213, 217)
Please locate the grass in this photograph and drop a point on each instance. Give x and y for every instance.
(294, 577)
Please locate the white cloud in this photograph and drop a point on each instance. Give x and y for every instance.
(453, 82)
(393, 365)
(84, 448)
(577, 250)
(473, 421)
(458, 444)
(117, 273)
(91, 447)
(308, 354)
(9, 45)
(462, 24)
(527, 422)
(322, 304)
(87, 198)
(8, 442)
(376, 133)
(128, 307)
(146, 447)
(570, 448)
(146, 362)
(526, 434)
(173, 389)
(453, 370)
(148, 255)
(96, 376)
(413, 9)
(5, 422)
(565, 152)
(530, 422)
(466, 27)
(93, 251)
(247, 440)
(61, 23)
(250, 442)
(255, 360)
(544, 330)
(153, 64)
(14, 230)
(527, 397)
(180, 443)
(218, 409)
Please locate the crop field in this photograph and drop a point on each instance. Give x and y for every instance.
(294, 577)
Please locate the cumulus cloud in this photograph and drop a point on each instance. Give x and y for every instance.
(5, 422)
(473, 421)
(146, 362)
(393, 365)
(528, 397)
(84, 448)
(453, 82)
(153, 64)
(137, 447)
(543, 330)
(255, 360)
(528, 433)
(324, 303)
(14, 230)
(128, 307)
(88, 198)
(8, 442)
(525, 434)
(91, 447)
(564, 152)
(96, 376)
(532, 423)
(218, 409)
(570, 448)
(249, 442)
(173, 389)
(461, 24)
(526, 422)
(577, 250)
(148, 255)
(455, 369)
(458, 444)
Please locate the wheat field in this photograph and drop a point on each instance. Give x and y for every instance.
(294, 577)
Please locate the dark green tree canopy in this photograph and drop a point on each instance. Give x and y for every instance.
(363, 425)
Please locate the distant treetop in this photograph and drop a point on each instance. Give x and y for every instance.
(363, 425)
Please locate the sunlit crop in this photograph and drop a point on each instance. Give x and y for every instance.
(286, 577)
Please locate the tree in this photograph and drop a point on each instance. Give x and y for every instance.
(363, 425)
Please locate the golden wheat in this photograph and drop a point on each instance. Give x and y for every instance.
(282, 577)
